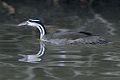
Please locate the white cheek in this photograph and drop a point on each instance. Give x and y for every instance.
(33, 24)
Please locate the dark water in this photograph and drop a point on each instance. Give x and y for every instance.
(20, 58)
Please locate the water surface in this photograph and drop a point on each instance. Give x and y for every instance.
(60, 62)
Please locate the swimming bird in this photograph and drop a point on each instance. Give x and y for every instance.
(89, 39)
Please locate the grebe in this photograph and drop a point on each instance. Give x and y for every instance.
(89, 39)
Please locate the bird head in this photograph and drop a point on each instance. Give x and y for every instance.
(35, 23)
(31, 22)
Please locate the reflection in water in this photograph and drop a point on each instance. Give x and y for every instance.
(36, 57)
(63, 63)
(112, 56)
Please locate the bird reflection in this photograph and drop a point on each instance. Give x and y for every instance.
(35, 58)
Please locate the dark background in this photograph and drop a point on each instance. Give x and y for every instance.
(50, 10)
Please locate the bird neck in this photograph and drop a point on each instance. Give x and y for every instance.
(42, 31)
